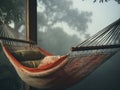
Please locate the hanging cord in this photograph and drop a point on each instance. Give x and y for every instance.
(91, 41)
(104, 39)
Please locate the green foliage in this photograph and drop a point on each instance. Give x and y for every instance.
(54, 11)
(101, 1)
(118, 1)
(51, 13)
(62, 11)
(13, 9)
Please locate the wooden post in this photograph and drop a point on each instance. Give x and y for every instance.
(31, 20)
(31, 25)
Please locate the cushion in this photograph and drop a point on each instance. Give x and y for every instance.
(31, 63)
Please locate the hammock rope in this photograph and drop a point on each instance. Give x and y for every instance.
(109, 36)
(34, 64)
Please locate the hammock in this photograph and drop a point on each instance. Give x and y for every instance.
(40, 69)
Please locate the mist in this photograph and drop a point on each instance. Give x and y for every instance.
(55, 37)
(57, 41)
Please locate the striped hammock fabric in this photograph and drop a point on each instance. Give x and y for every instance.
(41, 69)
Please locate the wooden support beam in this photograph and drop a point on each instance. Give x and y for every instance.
(31, 25)
(31, 20)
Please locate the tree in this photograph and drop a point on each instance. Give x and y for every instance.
(101, 1)
(53, 13)
(13, 11)
(62, 11)
(118, 1)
